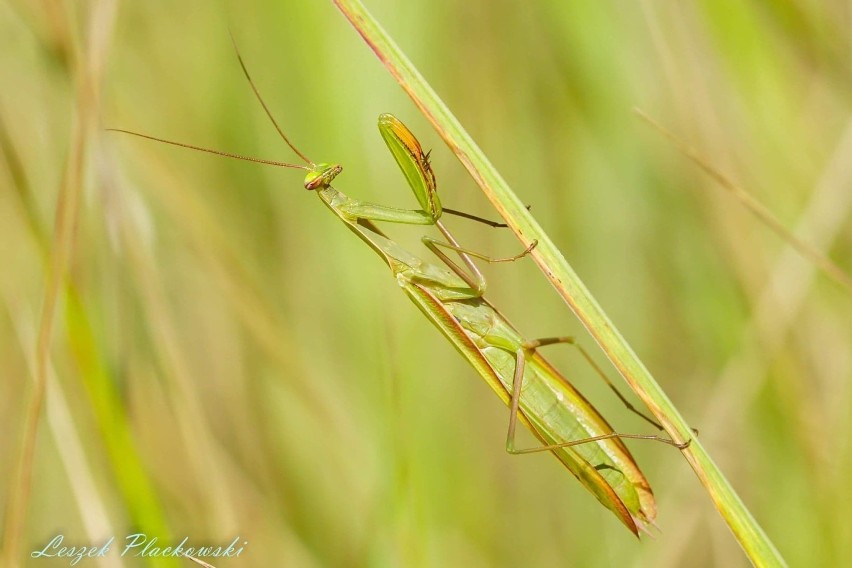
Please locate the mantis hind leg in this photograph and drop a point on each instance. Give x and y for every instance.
(515, 403)
(534, 344)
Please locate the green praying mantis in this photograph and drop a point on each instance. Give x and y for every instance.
(451, 297)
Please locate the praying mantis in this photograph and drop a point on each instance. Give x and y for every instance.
(451, 298)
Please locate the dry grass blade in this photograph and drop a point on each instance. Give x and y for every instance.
(64, 226)
(88, 66)
(752, 204)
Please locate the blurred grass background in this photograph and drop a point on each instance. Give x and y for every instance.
(228, 360)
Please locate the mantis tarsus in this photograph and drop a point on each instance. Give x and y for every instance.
(537, 394)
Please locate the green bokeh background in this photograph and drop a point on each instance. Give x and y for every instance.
(228, 360)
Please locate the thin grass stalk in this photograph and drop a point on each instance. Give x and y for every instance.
(552, 263)
(754, 206)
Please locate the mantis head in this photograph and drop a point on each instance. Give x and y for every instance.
(320, 175)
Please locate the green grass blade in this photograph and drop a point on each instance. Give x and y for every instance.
(751, 537)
